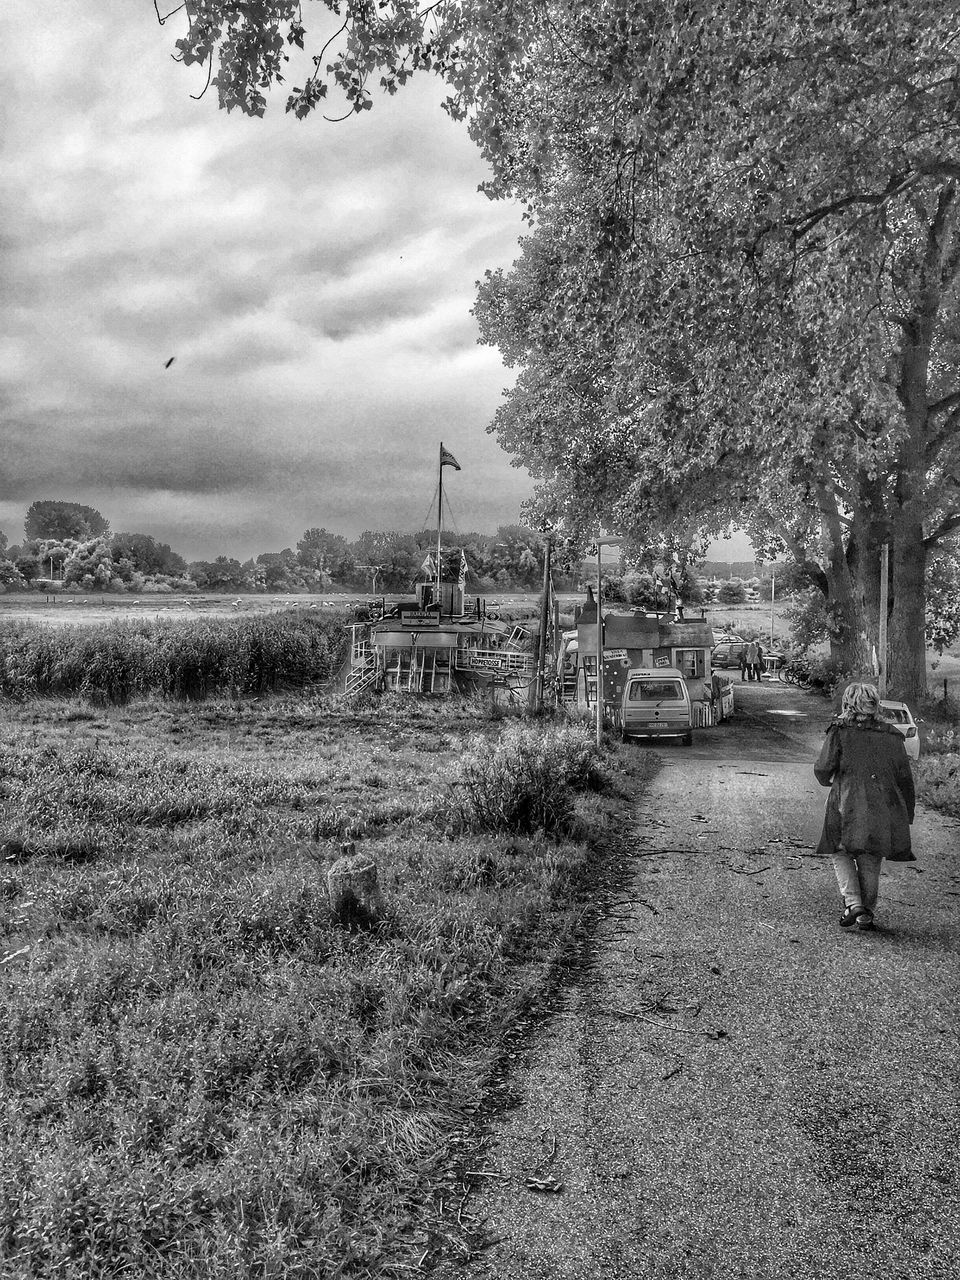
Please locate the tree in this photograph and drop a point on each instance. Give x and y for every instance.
(943, 599)
(90, 564)
(323, 551)
(731, 592)
(146, 555)
(60, 520)
(749, 207)
(222, 574)
(281, 570)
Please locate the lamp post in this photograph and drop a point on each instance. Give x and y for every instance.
(600, 544)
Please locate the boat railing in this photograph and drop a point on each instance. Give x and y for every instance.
(493, 660)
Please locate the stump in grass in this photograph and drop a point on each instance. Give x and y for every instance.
(354, 889)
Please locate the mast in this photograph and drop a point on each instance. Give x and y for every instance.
(439, 519)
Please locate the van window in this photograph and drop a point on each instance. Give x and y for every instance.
(655, 691)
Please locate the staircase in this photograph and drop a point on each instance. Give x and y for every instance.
(364, 668)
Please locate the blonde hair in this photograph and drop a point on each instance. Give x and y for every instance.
(860, 702)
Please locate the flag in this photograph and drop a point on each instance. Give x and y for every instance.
(447, 459)
(428, 567)
(462, 580)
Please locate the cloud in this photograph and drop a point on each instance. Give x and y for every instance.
(313, 281)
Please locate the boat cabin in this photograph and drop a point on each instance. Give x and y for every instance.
(430, 645)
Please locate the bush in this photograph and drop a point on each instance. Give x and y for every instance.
(938, 782)
(524, 781)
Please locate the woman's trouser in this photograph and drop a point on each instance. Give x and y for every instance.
(858, 876)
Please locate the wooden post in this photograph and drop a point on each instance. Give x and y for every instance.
(884, 592)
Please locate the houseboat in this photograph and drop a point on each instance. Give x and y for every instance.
(432, 644)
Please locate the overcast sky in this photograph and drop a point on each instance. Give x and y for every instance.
(313, 282)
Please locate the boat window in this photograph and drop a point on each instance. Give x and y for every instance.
(655, 691)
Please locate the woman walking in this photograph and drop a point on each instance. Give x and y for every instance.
(871, 803)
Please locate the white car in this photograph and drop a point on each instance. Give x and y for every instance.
(901, 717)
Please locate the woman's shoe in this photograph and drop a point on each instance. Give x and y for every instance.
(865, 922)
(849, 916)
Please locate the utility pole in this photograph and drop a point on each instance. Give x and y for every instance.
(884, 593)
(773, 596)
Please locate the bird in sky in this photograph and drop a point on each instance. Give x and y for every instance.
(170, 362)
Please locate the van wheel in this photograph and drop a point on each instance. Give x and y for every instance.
(688, 739)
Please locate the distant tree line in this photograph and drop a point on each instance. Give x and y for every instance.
(71, 546)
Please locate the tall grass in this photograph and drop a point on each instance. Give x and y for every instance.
(201, 1074)
(189, 659)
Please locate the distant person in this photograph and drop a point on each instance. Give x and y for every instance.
(743, 663)
(758, 665)
(751, 654)
(871, 803)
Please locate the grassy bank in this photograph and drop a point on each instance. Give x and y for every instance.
(203, 1073)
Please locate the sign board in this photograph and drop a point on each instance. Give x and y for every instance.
(615, 655)
(417, 618)
(662, 662)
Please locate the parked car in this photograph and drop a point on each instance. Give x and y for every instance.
(727, 653)
(656, 704)
(901, 717)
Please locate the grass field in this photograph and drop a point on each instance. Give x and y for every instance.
(204, 1074)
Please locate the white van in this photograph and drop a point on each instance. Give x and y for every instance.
(656, 704)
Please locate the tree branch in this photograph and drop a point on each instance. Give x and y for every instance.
(946, 526)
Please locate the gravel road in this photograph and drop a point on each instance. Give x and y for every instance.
(733, 1086)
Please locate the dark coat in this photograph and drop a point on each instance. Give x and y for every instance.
(871, 801)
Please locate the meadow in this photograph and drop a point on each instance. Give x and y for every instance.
(204, 1071)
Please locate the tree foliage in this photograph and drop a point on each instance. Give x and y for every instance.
(51, 519)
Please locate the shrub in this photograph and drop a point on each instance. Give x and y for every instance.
(941, 742)
(938, 782)
(524, 781)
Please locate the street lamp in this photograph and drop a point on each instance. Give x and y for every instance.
(600, 544)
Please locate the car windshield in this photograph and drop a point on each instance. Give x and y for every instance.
(896, 715)
(655, 691)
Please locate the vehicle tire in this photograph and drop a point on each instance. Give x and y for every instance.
(688, 739)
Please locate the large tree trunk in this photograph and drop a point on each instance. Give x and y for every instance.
(871, 531)
(847, 628)
(906, 648)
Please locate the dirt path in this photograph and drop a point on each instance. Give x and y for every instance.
(734, 1086)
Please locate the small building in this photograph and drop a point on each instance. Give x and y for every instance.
(641, 639)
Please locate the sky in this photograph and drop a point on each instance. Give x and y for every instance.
(312, 281)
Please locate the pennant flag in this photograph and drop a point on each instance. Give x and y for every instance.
(462, 580)
(447, 459)
(428, 567)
